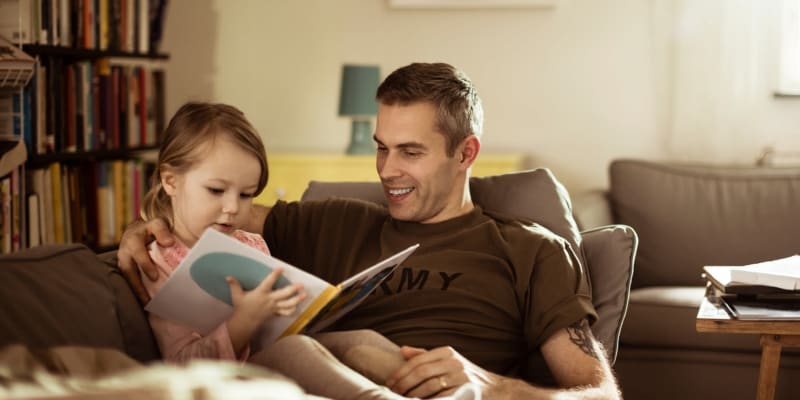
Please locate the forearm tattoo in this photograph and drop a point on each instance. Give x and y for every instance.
(580, 334)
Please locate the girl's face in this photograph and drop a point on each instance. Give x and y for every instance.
(217, 192)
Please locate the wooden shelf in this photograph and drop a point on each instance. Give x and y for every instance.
(78, 53)
(40, 160)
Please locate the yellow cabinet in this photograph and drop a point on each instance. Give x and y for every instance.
(289, 174)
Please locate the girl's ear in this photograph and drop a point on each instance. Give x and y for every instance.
(169, 181)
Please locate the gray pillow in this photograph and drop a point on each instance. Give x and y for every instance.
(610, 251)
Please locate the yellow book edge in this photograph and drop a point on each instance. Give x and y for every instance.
(311, 311)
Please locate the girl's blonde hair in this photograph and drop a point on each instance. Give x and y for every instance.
(185, 143)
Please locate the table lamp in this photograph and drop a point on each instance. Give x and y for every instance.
(357, 101)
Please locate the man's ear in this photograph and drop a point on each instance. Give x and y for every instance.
(469, 151)
(169, 181)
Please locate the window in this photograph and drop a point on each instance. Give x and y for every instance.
(789, 75)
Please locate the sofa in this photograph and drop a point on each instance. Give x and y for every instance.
(688, 216)
(66, 295)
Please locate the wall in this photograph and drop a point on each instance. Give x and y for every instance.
(573, 86)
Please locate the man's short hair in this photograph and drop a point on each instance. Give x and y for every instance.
(459, 112)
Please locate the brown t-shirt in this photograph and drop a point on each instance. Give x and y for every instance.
(490, 287)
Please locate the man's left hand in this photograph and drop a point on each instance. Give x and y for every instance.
(435, 373)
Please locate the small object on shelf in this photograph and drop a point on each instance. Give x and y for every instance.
(12, 154)
(16, 67)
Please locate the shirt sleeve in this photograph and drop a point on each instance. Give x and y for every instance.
(560, 294)
(179, 343)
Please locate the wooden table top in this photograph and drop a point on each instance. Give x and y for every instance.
(713, 318)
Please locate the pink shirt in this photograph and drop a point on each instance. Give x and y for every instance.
(179, 343)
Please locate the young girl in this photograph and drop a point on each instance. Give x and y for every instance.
(211, 165)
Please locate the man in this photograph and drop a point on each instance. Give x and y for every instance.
(480, 294)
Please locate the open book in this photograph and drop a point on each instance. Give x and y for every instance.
(197, 295)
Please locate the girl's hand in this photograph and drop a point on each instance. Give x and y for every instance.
(263, 302)
(253, 307)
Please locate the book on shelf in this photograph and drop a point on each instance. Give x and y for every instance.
(197, 294)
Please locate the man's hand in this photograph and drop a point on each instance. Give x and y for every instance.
(132, 253)
(576, 359)
(438, 372)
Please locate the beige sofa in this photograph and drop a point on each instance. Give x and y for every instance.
(688, 216)
(67, 295)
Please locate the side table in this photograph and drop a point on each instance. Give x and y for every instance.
(775, 334)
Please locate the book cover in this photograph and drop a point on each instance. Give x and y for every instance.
(34, 238)
(197, 295)
(775, 310)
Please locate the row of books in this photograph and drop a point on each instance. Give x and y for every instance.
(117, 25)
(88, 105)
(768, 290)
(90, 202)
(12, 230)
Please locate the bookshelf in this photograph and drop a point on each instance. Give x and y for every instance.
(90, 118)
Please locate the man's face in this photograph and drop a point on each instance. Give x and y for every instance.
(420, 182)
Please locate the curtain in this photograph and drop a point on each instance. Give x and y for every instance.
(724, 73)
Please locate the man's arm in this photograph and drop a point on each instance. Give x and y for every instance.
(132, 253)
(575, 358)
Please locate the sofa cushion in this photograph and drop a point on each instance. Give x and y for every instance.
(665, 317)
(688, 216)
(64, 295)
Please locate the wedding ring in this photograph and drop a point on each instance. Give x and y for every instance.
(442, 382)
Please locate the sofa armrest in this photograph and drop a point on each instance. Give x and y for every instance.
(592, 209)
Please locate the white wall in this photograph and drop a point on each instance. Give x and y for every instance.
(574, 86)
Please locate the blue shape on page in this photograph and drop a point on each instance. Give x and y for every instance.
(209, 272)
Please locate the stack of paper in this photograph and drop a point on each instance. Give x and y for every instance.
(783, 273)
(767, 290)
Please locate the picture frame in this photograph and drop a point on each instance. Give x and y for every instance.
(470, 4)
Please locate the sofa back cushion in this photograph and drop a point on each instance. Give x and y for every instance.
(688, 216)
(65, 295)
(535, 195)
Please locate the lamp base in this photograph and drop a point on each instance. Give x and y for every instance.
(361, 138)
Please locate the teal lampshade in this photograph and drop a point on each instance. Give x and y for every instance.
(359, 84)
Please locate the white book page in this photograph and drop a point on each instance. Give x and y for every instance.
(193, 295)
(783, 273)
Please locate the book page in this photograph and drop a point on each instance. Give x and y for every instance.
(355, 289)
(197, 295)
(783, 273)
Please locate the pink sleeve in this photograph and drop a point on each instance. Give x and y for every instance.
(179, 343)
(254, 240)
